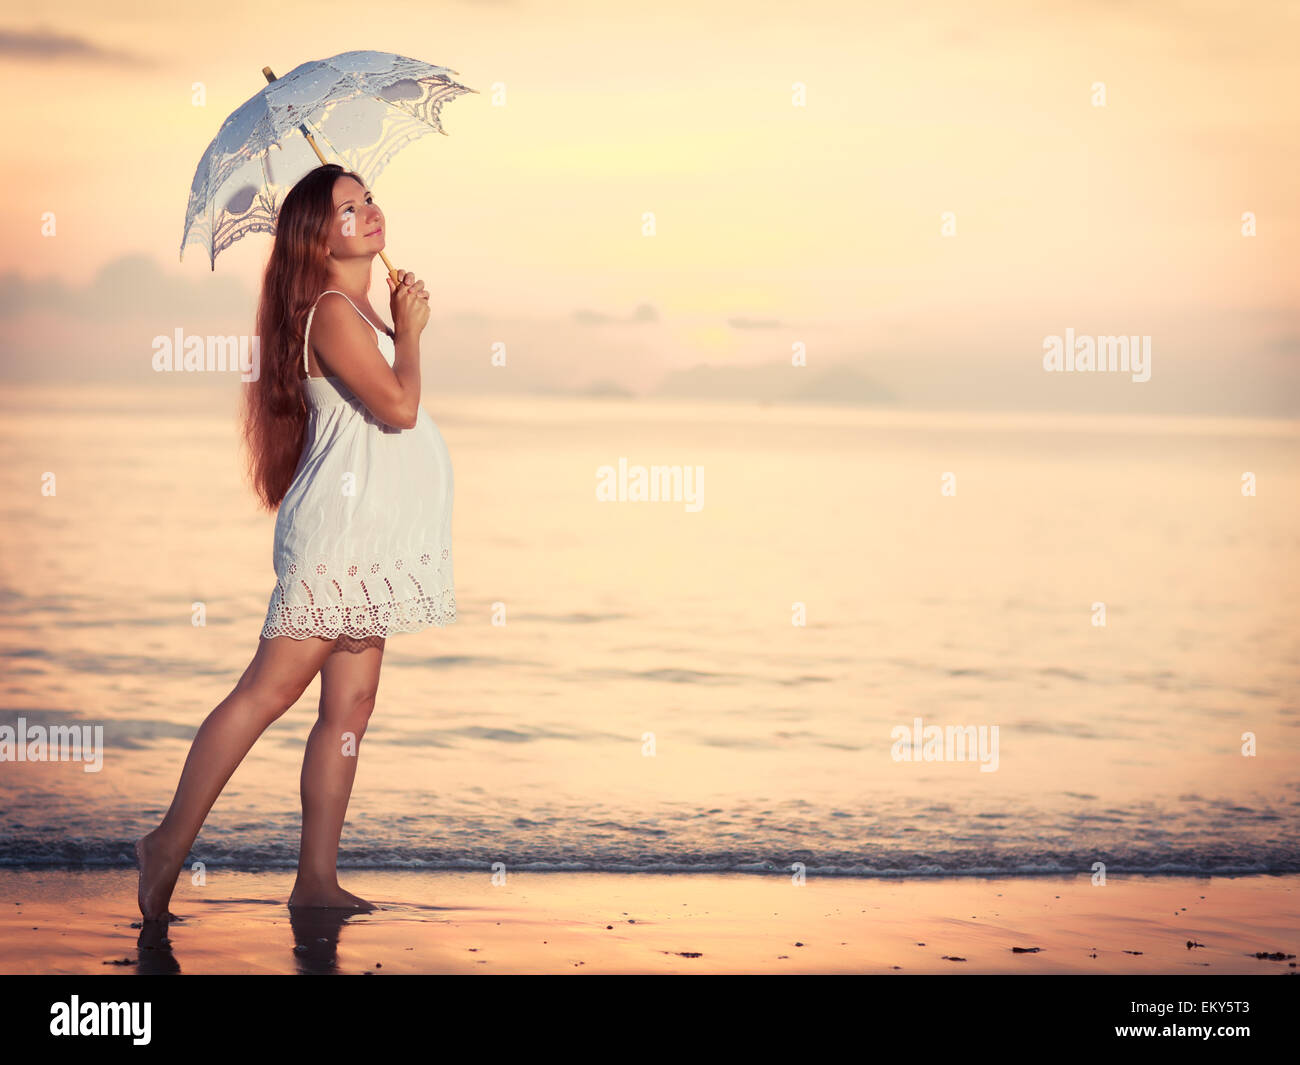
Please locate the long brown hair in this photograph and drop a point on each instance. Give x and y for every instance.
(274, 413)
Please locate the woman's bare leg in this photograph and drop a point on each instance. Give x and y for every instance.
(349, 681)
(278, 674)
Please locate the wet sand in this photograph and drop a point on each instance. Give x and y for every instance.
(57, 921)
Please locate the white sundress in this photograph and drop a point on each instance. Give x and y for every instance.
(363, 535)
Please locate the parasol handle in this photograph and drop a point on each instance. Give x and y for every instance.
(397, 278)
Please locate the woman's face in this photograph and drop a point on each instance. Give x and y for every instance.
(358, 224)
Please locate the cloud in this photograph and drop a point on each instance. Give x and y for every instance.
(47, 45)
(125, 288)
(755, 323)
(776, 381)
(643, 314)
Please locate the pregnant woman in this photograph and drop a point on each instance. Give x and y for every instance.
(360, 473)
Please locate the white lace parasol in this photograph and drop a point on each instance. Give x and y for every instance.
(361, 107)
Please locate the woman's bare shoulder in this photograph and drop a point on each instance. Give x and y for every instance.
(339, 318)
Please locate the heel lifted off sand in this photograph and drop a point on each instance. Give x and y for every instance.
(147, 911)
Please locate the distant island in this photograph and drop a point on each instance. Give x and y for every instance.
(776, 382)
(607, 388)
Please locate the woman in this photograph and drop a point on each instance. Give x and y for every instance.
(362, 478)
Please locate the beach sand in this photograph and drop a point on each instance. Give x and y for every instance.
(86, 922)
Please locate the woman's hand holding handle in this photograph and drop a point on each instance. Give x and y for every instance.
(408, 303)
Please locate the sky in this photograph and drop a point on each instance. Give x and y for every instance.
(800, 161)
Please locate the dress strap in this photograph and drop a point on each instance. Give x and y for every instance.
(312, 313)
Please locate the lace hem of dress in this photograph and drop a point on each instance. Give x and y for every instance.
(320, 608)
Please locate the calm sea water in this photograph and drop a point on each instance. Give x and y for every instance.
(648, 703)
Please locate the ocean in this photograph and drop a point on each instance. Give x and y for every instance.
(660, 686)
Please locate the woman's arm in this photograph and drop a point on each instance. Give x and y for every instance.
(346, 347)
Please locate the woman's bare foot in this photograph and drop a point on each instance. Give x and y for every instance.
(309, 895)
(158, 872)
